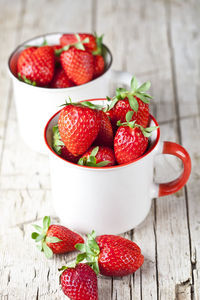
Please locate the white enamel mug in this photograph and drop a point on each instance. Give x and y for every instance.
(110, 200)
(35, 105)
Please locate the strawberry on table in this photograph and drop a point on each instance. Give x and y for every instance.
(99, 156)
(59, 147)
(111, 255)
(36, 65)
(79, 282)
(60, 79)
(69, 39)
(105, 135)
(136, 100)
(131, 140)
(79, 125)
(55, 238)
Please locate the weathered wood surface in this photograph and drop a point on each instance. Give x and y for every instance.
(157, 41)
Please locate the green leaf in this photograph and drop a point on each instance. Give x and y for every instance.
(94, 151)
(142, 97)
(37, 227)
(80, 247)
(91, 105)
(81, 161)
(34, 235)
(39, 246)
(133, 103)
(86, 41)
(63, 268)
(53, 239)
(79, 46)
(144, 87)
(46, 223)
(114, 101)
(150, 129)
(120, 93)
(80, 257)
(103, 163)
(129, 115)
(134, 84)
(47, 251)
(147, 96)
(44, 43)
(40, 237)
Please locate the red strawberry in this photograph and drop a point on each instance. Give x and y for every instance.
(136, 100)
(78, 126)
(111, 255)
(105, 135)
(36, 65)
(99, 156)
(79, 283)
(98, 65)
(59, 147)
(78, 65)
(55, 238)
(69, 39)
(131, 140)
(60, 79)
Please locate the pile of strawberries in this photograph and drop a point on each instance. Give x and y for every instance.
(76, 60)
(102, 136)
(108, 255)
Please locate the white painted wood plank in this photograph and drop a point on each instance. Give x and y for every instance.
(9, 20)
(190, 136)
(184, 27)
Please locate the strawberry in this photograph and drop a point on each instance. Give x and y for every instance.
(79, 282)
(78, 65)
(99, 156)
(36, 65)
(98, 65)
(55, 238)
(60, 79)
(105, 135)
(69, 39)
(59, 147)
(131, 140)
(136, 100)
(78, 126)
(111, 255)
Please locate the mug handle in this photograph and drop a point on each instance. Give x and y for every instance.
(121, 77)
(172, 187)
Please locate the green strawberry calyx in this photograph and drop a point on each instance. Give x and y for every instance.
(42, 239)
(24, 79)
(136, 91)
(91, 160)
(89, 252)
(57, 142)
(99, 42)
(83, 104)
(147, 132)
(78, 45)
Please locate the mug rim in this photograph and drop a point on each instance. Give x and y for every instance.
(54, 89)
(104, 168)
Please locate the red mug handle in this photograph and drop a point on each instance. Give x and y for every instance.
(175, 185)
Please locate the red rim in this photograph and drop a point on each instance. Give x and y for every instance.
(104, 168)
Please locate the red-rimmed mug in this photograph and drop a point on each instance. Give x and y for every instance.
(115, 199)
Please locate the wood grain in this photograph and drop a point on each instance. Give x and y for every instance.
(156, 41)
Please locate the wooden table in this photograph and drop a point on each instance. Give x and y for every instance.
(157, 40)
